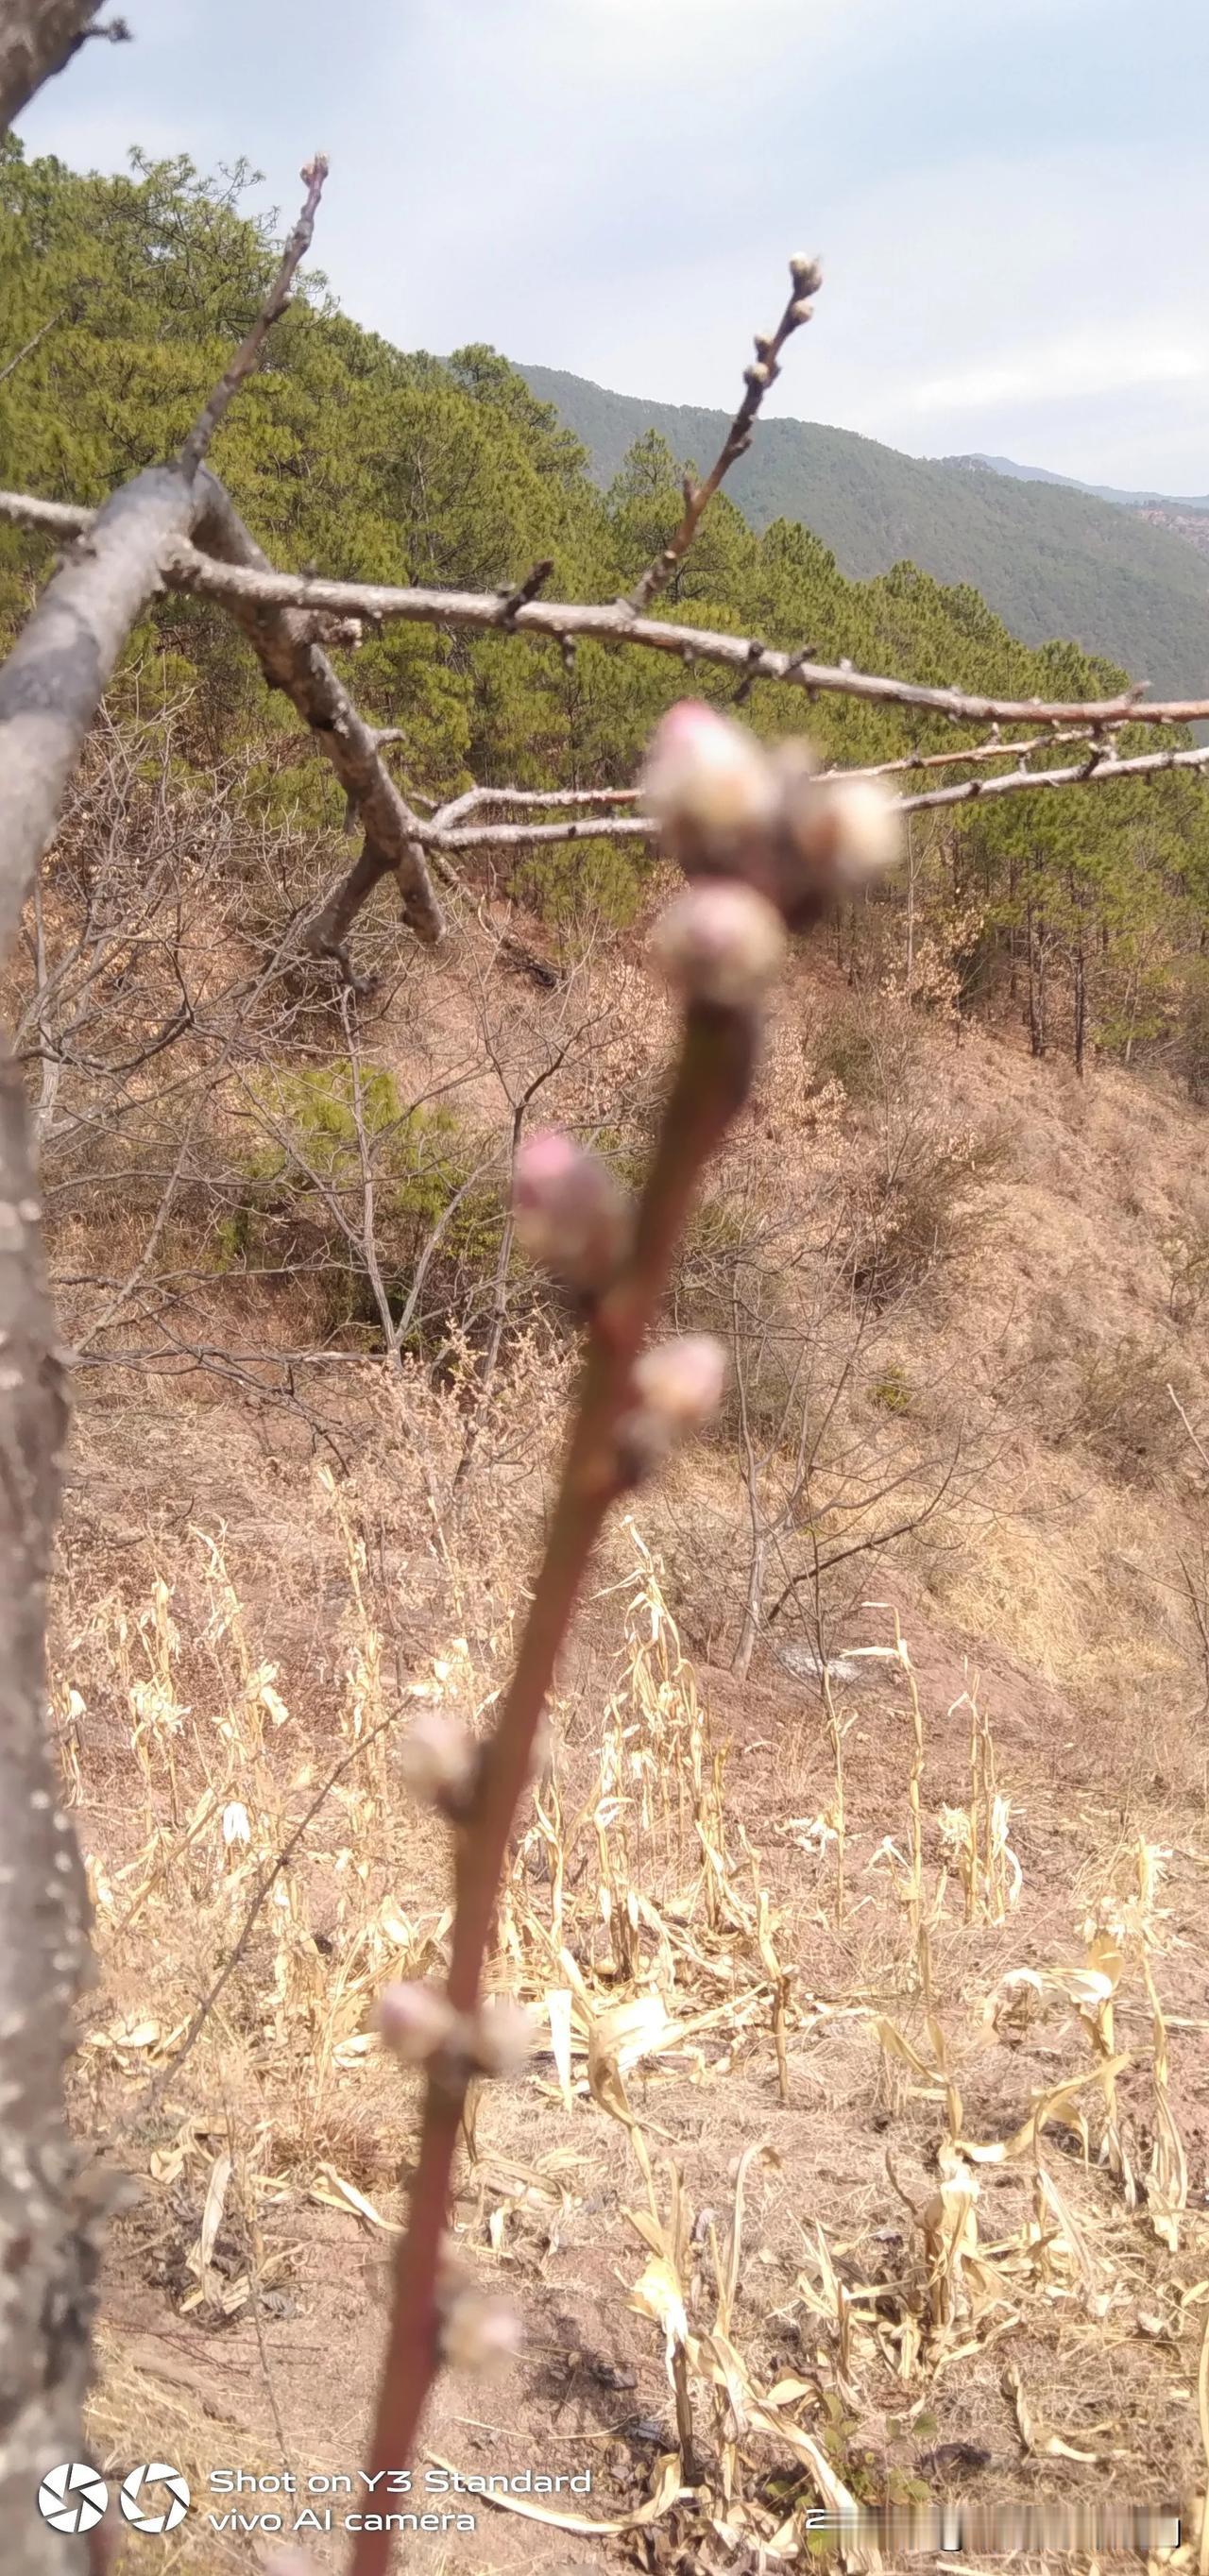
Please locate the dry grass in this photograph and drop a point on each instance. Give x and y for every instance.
(864, 2156)
(659, 1919)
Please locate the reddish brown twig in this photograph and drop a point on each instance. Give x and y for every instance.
(718, 798)
(764, 371)
(247, 356)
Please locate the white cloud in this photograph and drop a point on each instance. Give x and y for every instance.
(1057, 370)
(1013, 245)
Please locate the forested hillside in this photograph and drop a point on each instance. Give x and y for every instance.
(1048, 558)
(872, 1782)
(379, 464)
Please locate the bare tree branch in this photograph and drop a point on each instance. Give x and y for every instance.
(31, 344)
(64, 659)
(697, 496)
(186, 568)
(641, 826)
(37, 39)
(47, 2258)
(291, 660)
(1147, 764)
(248, 356)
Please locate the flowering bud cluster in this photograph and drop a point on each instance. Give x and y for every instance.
(441, 1763)
(568, 1212)
(730, 808)
(676, 1389)
(476, 2333)
(421, 2027)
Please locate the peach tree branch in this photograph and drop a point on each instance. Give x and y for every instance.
(807, 279)
(248, 356)
(185, 567)
(727, 811)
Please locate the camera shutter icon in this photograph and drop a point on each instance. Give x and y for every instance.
(149, 2513)
(72, 2498)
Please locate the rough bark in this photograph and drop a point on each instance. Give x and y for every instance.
(291, 660)
(37, 38)
(47, 2256)
(50, 689)
(61, 664)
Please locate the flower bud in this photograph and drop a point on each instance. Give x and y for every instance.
(801, 312)
(440, 1762)
(806, 273)
(795, 763)
(416, 2021)
(705, 780)
(502, 2037)
(719, 943)
(569, 1214)
(867, 828)
(677, 1387)
(479, 2334)
(758, 374)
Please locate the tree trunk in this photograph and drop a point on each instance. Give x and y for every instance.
(1036, 994)
(47, 2250)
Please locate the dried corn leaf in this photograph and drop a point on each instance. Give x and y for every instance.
(332, 2191)
(215, 2201)
(1046, 2107)
(559, 2001)
(658, 2295)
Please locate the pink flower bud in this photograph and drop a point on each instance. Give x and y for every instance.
(720, 944)
(705, 779)
(479, 2334)
(501, 2038)
(568, 1212)
(677, 1387)
(416, 2021)
(440, 1762)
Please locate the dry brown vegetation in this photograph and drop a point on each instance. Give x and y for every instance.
(853, 1885)
(869, 2156)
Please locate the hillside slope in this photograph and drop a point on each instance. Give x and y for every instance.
(1051, 561)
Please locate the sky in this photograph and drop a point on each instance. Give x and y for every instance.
(1010, 197)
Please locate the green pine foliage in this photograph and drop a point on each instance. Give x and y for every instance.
(1087, 913)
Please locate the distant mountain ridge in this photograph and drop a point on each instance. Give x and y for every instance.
(1173, 501)
(1051, 559)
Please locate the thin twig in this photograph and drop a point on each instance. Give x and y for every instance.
(31, 345)
(1016, 782)
(247, 356)
(758, 378)
(711, 1083)
(149, 2100)
(1194, 1436)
